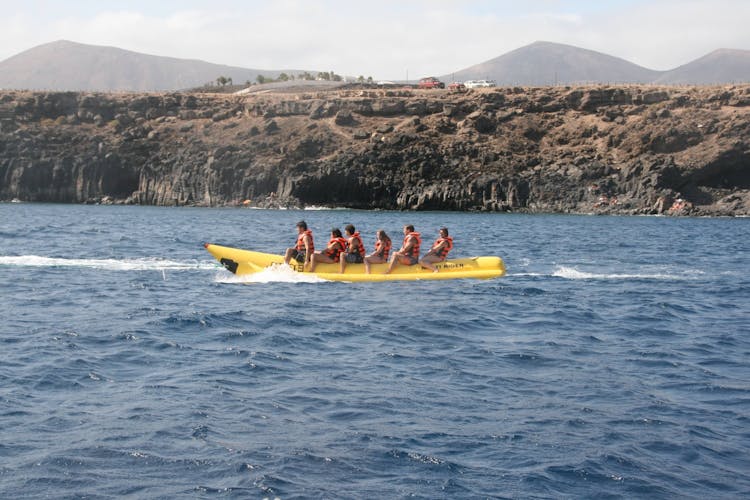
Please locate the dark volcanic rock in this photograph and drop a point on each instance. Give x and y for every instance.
(344, 117)
(606, 149)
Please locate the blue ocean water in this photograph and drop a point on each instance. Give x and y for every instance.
(611, 362)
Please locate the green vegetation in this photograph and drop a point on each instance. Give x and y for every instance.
(223, 80)
(328, 76)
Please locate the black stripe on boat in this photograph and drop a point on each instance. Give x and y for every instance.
(230, 265)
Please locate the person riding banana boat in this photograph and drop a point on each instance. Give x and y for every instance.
(408, 254)
(382, 250)
(438, 252)
(303, 250)
(331, 253)
(355, 249)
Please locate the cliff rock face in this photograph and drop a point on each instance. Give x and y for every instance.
(626, 149)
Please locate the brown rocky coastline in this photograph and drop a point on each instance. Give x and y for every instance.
(595, 149)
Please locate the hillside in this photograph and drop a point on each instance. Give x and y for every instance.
(720, 66)
(546, 63)
(65, 65)
(600, 149)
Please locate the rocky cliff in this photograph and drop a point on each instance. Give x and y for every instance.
(613, 149)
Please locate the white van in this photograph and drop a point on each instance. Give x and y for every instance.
(473, 84)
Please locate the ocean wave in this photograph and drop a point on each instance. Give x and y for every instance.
(142, 264)
(466, 388)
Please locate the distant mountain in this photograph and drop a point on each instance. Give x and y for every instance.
(547, 63)
(65, 65)
(720, 66)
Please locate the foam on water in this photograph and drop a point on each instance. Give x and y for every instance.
(571, 273)
(319, 208)
(142, 264)
(276, 273)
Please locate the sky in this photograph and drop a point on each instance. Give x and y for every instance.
(384, 39)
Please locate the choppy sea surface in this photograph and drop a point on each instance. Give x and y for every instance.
(613, 361)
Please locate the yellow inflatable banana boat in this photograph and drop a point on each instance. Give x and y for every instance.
(243, 262)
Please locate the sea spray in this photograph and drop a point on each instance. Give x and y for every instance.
(275, 273)
(138, 264)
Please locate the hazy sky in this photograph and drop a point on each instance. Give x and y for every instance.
(380, 38)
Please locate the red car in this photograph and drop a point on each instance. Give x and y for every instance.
(457, 87)
(430, 83)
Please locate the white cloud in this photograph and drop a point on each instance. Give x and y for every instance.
(386, 39)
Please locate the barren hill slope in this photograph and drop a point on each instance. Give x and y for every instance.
(65, 65)
(547, 63)
(720, 66)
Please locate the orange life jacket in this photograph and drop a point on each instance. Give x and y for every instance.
(360, 246)
(383, 248)
(301, 241)
(334, 252)
(447, 248)
(414, 252)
